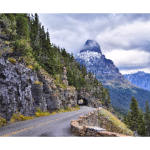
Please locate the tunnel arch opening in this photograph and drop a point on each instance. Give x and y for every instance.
(82, 102)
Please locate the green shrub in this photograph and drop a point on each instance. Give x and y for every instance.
(77, 107)
(2, 121)
(38, 82)
(66, 108)
(19, 117)
(39, 113)
(0, 53)
(36, 66)
(58, 82)
(12, 60)
(23, 46)
(29, 66)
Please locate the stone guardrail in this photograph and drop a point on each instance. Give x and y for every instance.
(87, 125)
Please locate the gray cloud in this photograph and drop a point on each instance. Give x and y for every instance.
(112, 31)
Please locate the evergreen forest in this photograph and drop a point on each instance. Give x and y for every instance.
(137, 120)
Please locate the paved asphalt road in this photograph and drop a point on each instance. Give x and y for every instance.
(57, 125)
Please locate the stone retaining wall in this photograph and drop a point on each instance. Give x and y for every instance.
(84, 126)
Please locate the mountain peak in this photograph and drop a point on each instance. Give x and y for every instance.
(92, 46)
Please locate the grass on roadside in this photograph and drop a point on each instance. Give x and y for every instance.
(39, 113)
(19, 117)
(67, 109)
(2, 121)
(115, 123)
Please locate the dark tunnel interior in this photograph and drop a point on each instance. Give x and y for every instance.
(82, 102)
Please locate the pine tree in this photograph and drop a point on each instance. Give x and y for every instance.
(36, 24)
(23, 27)
(106, 97)
(71, 57)
(141, 130)
(48, 45)
(43, 40)
(133, 115)
(125, 120)
(147, 119)
(34, 27)
(22, 39)
(95, 81)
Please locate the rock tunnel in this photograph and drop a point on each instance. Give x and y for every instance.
(82, 102)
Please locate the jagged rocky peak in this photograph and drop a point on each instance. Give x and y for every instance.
(91, 46)
(104, 69)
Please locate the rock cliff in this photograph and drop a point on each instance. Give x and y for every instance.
(23, 90)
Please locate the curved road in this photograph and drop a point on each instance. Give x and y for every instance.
(57, 125)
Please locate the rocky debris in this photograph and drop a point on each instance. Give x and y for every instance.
(64, 76)
(4, 36)
(95, 128)
(14, 54)
(136, 134)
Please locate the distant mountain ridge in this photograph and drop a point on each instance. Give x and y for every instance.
(120, 89)
(140, 79)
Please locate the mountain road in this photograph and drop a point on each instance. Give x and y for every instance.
(57, 125)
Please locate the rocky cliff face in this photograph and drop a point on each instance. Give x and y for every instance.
(140, 79)
(23, 90)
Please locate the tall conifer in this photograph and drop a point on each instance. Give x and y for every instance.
(141, 130)
(133, 115)
(147, 119)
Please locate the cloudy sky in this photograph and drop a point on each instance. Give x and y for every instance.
(123, 38)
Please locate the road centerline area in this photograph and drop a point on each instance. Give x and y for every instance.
(81, 111)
